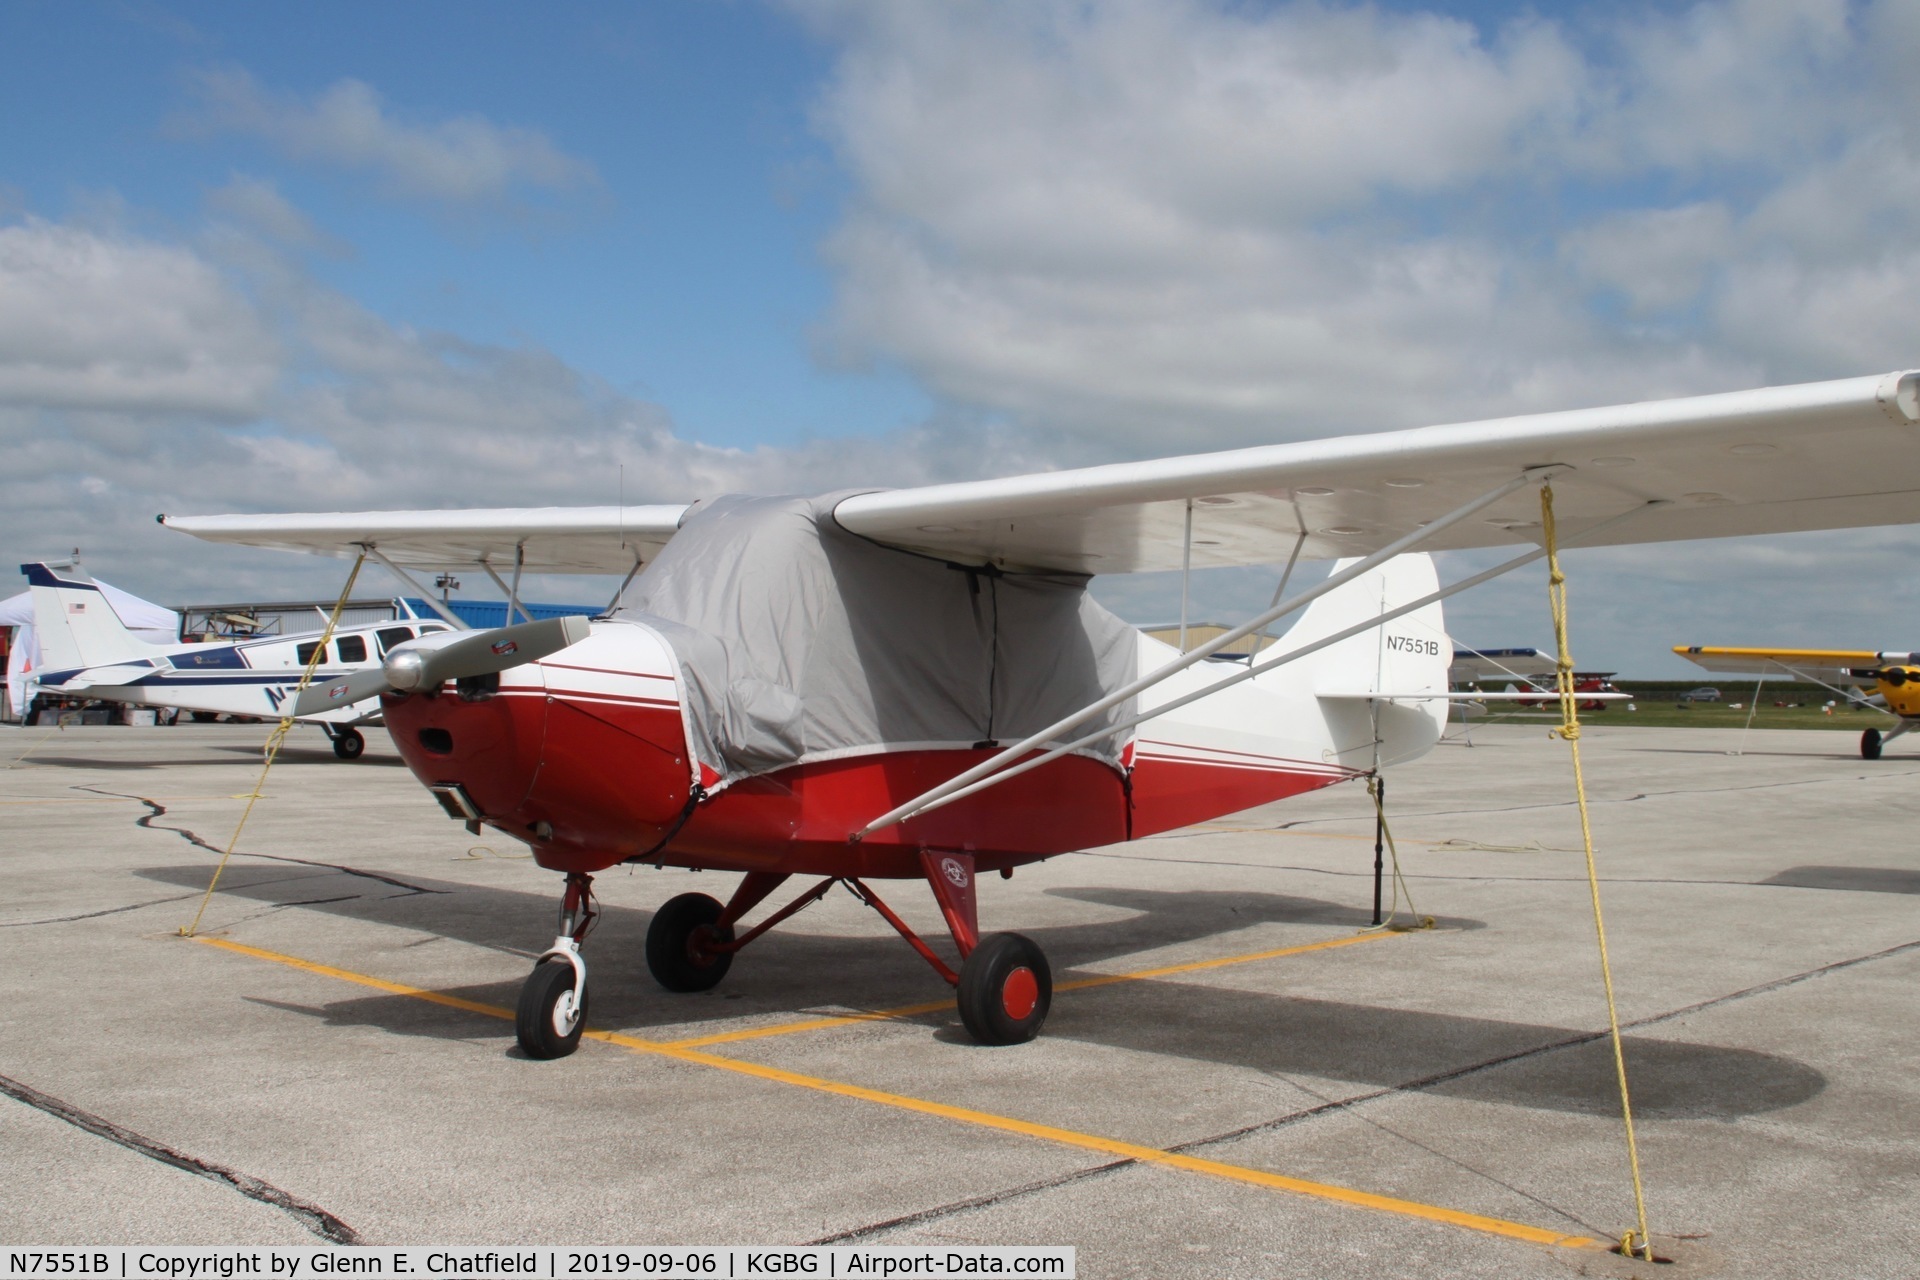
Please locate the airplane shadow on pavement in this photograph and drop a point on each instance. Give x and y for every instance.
(789, 972)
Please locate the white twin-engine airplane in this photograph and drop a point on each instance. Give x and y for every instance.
(914, 684)
(90, 653)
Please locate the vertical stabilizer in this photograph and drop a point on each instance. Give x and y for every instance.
(76, 626)
(1378, 675)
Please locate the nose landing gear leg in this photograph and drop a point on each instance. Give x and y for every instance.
(553, 1003)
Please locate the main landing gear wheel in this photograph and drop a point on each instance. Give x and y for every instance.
(1870, 745)
(677, 954)
(1006, 988)
(549, 1021)
(348, 744)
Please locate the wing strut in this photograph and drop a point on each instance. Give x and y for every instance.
(512, 593)
(453, 619)
(1406, 542)
(931, 801)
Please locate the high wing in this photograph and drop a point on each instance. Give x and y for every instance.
(1828, 665)
(1815, 456)
(1819, 455)
(551, 539)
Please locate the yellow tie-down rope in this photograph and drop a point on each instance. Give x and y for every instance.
(275, 738)
(1632, 1247)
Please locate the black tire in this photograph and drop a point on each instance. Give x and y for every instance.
(1006, 988)
(348, 744)
(1870, 745)
(674, 957)
(204, 717)
(534, 1022)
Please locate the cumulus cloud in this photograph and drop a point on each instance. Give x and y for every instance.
(1191, 223)
(139, 376)
(465, 160)
(103, 322)
(257, 205)
(1162, 225)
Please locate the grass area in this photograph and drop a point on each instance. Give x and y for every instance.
(1722, 715)
(1657, 704)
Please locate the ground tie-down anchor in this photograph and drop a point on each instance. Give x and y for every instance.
(1383, 843)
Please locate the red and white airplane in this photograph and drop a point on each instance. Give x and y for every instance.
(913, 684)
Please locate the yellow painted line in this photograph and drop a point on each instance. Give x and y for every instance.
(812, 1024)
(1195, 966)
(982, 1119)
(1077, 984)
(347, 975)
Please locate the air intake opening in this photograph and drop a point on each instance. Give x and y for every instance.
(438, 741)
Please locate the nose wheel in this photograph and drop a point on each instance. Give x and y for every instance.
(552, 1012)
(1870, 745)
(553, 1004)
(348, 744)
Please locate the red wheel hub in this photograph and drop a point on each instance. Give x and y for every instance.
(1020, 993)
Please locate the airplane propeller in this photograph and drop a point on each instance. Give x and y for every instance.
(432, 660)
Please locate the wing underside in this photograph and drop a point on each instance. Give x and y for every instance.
(546, 539)
(1825, 455)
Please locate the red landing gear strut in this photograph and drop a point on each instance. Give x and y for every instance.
(1004, 984)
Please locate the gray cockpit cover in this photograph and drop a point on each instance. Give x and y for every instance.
(800, 641)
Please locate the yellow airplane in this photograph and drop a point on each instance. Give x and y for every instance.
(1895, 677)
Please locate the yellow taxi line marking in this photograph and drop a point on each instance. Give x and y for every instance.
(967, 1115)
(1077, 984)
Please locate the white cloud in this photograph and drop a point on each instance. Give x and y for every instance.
(257, 205)
(1163, 225)
(464, 160)
(159, 391)
(1174, 223)
(93, 321)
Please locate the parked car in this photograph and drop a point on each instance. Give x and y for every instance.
(1705, 693)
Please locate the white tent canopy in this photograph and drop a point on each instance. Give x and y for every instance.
(145, 619)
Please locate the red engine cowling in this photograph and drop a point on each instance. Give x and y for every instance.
(582, 755)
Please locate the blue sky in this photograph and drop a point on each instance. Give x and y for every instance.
(681, 268)
(372, 256)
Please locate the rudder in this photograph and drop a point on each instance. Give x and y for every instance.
(76, 625)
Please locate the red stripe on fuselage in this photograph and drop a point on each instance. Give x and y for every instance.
(593, 779)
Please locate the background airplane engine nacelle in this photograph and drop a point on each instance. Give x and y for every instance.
(582, 755)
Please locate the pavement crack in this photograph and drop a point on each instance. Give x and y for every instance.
(89, 915)
(157, 810)
(312, 1217)
(1554, 1046)
(974, 1203)
(988, 1201)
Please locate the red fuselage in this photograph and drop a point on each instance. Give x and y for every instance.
(589, 765)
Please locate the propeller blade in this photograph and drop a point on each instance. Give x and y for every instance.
(431, 661)
(450, 655)
(329, 695)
